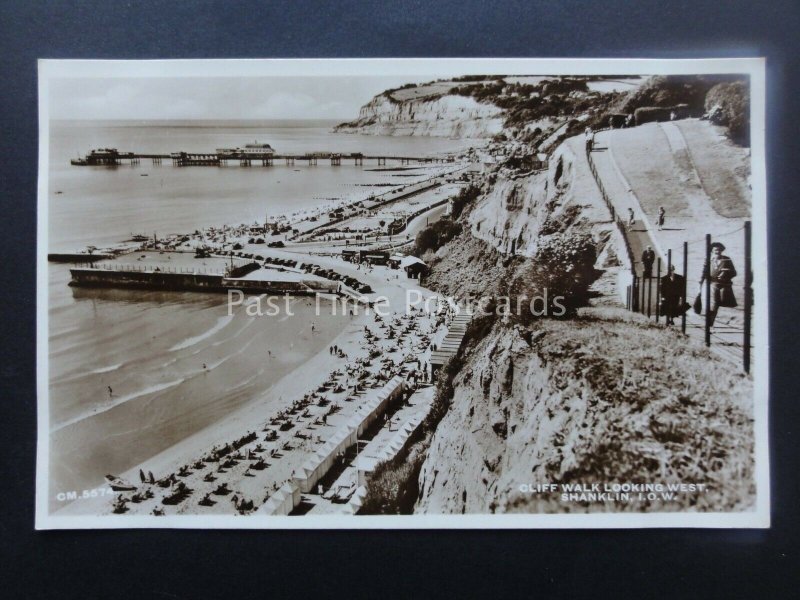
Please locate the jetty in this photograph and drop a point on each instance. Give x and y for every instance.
(77, 257)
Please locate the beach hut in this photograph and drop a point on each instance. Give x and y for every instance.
(413, 266)
(283, 501)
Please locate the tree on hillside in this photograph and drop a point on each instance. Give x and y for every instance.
(728, 104)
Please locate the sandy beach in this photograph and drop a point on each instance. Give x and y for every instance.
(236, 463)
(310, 403)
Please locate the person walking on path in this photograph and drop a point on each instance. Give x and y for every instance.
(648, 258)
(672, 300)
(721, 273)
(589, 139)
(661, 217)
(631, 218)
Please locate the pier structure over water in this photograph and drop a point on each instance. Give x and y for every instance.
(111, 157)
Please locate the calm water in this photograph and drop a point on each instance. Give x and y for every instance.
(103, 205)
(176, 362)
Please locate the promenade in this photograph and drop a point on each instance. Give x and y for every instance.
(647, 167)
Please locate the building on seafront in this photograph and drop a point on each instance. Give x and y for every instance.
(253, 150)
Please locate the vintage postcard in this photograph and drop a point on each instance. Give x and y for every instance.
(403, 293)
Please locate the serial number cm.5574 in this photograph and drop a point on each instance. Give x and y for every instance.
(85, 494)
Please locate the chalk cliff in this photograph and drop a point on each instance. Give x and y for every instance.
(600, 398)
(554, 403)
(439, 116)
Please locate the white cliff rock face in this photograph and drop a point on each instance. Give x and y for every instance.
(445, 116)
(551, 403)
(519, 209)
(499, 428)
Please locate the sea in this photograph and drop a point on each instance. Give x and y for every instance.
(134, 372)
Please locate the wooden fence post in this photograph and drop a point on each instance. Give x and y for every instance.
(748, 294)
(685, 281)
(707, 275)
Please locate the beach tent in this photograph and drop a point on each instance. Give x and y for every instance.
(357, 501)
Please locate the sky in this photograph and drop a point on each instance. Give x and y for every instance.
(187, 98)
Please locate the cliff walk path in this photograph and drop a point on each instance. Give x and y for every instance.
(655, 165)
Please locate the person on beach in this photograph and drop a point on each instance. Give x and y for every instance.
(648, 258)
(720, 272)
(661, 217)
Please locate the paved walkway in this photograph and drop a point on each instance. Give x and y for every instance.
(727, 335)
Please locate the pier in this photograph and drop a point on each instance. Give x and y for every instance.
(111, 157)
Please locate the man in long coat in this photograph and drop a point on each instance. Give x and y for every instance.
(672, 295)
(648, 258)
(721, 272)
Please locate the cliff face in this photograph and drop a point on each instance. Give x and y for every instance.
(443, 116)
(518, 209)
(603, 398)
(554, 403)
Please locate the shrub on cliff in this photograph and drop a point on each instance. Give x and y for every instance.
(672, 90)
(562, 267)
(435, 236)
(464, 198)
(563, 85)
(728, 104)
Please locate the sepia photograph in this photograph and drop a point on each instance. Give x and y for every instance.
(402, 293)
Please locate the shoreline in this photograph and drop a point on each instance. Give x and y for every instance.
(278, 399)
(418, 201)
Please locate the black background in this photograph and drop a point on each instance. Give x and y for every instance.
(209, 564)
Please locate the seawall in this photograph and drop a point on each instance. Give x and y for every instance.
(188, 282)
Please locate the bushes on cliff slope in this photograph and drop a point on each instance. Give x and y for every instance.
(728, 104)
(724, 98)
(464, 198)
(671, 90)
(435, 236)
(563, 267)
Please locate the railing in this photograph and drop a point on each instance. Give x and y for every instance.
(614, 217)
(644, 294)
(150, 269)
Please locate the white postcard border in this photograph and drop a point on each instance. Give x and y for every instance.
(755, 67)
